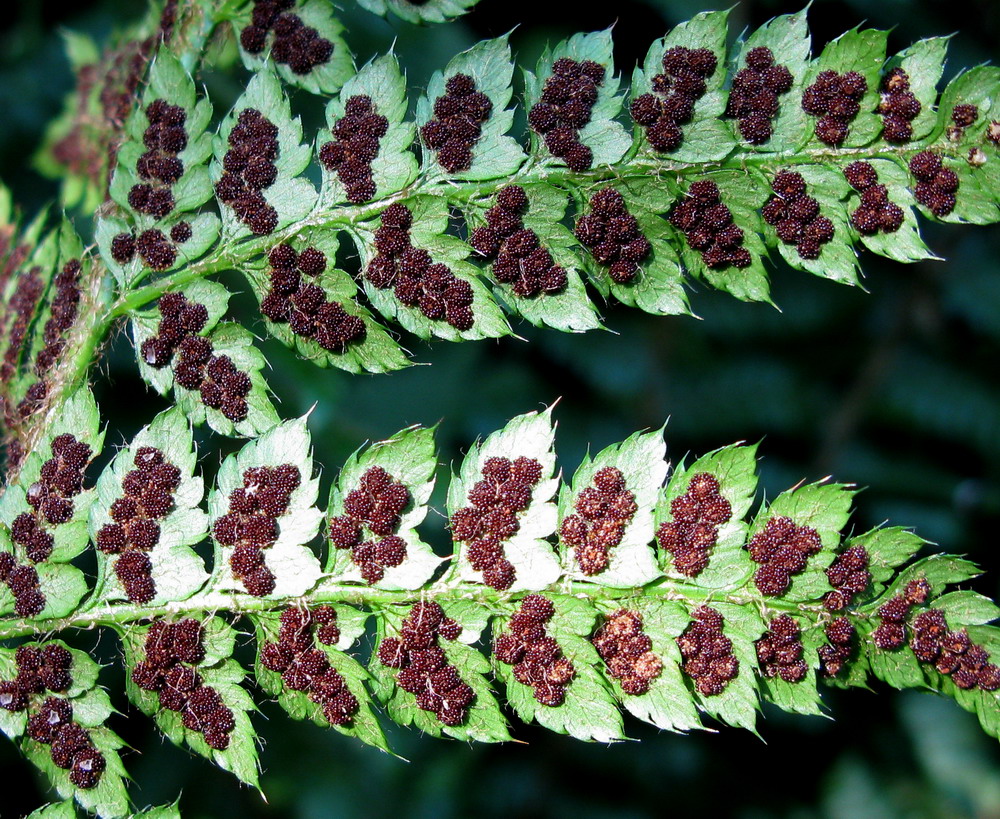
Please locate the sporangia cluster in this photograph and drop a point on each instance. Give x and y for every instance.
(249, 169)
(952, 652)
(936, 186)
(423, 669)
(503, 490)
(250, 525)
(134, 531)
(51, 497)
(374, 507)
(890, 633)
(795, 216)
(627, 651)
(962, 116)
(707, 653)
(566, 106)
(17, 309)
(849, 576)
(306, 668)
(28, 290)
(155, 249)
(303, 305)
(44, 669)
(898, 107)
(417, 282)
(457, 124)
(707, 225)
(518, 258)
(675, 92)
(172, 652)
(356, 143)
(836, 100)
(753, 98)
(24, 584)
(63, 310)
(840, 643)
(693, 528)
(782, 549)
(219, 383)
(537, 658)
(603, 511)
(295, 44)
(159, 167)
(612, 236)
(779, 651)
(876, 213)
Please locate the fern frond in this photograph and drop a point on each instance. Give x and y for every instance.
(669, 592)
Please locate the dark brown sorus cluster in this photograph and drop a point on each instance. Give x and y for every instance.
(51, 496)
(504, 490)
(708, 226)
(251, 522)
(836, 100)
(537, 658)
(898, 107)
(457, 125)
(612, 235)
(707, 653)
(134, 532)
(936, 186)
(432, 288)
(627, 651)
(62, 313)
(694, 528)
(215, 377)
(23, 583)
(518, 258)
(306, 668)
(249, 169)
(423, 667)
(355, 144)
(172, 651)
(779, 651)
(675, 92)
(155, 248)
(603, 510)
(782, 549)
(376, 505)
(753, 99)
(303, 305)
(837, 650)
(849, 576)
(875, 213)
(952, 653)
(962, 116)
(566, 106)
(22, 305)
(50, 719)
(159, 167)
(795, 215)
(295, 44)
(890, 633)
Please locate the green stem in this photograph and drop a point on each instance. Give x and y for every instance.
(119, 615)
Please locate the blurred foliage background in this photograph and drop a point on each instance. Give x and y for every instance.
(894, 389)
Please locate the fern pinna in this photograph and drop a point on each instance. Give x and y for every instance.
(668, 590)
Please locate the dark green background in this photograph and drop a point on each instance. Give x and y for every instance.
(893, 389)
